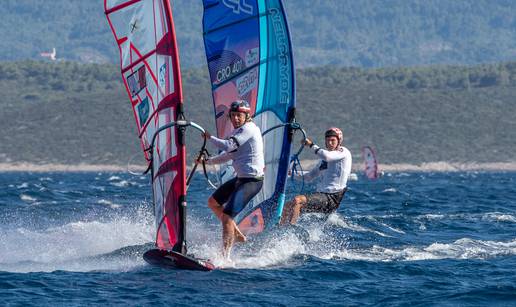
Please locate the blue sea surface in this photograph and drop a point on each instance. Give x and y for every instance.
(404, 239)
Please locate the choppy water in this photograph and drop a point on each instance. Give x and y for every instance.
(416, 238)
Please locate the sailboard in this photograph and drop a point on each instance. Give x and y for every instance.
(370, 162)
(249, 56)
(149, 62)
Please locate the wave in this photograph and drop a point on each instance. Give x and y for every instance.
(485, 216)
(119, 244)
(23, 185)
(328, 243)
(286, 250)
(474, 217)
(27, 198)
(443, 166)
(75, 246)
(108, 203)
(86, 245)
(464, 248)
(337, 220)
(278, 251)
(499, 217)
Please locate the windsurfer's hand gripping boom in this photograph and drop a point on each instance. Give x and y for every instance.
(307, 142)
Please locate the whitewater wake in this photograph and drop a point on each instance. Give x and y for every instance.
(117, 244)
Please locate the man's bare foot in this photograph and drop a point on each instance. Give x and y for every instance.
(239, 236)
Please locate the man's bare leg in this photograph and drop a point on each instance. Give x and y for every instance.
(286, 216)
(239, 236)
(218, 210)
(228, 235)
(296, 204)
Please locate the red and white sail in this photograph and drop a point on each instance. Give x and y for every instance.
(144, 33)
(370, 162)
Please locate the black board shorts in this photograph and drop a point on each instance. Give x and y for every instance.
(323, 202)
(236, 193)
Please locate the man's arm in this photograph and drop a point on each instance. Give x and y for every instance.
(311, 175)
(219, 159)
(225, 145)
(328, 156)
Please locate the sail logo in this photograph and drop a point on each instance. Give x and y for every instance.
(238, 6)
(253, 223)
(137, 81)
(283, 55)
(229, 71)
(251, 57)
(143, 111)
(134, 26)
(162, 75)
(247, 82)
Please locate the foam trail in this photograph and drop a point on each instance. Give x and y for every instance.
(74, 246)
(27, 198)
(277, 251)
(464, 248)
(488, 216)
(499, 217)
(204, 238)
(374, 220)
(336, 220)
(108, 203)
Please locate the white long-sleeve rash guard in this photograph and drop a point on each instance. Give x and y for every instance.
(245, 148)
(334, 169)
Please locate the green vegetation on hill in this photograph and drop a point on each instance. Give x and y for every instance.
(366, 33)
(70, 113)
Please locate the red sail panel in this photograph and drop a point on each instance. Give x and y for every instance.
(149, 63)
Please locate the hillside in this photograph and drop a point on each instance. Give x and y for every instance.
(366, 33)
(70, 113)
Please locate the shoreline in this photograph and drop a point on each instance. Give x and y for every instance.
(440, 166)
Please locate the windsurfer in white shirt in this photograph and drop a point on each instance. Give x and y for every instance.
(332, 171)
(245, 148)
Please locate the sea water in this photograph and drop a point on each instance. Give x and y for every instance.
(406, 238)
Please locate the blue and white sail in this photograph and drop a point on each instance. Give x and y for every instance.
(249, 57)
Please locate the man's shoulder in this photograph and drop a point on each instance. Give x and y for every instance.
(242, 129)
(246, 131)
(345, 151)
(251, 127)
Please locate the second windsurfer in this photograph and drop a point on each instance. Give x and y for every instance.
(333, 171)
(245, 148)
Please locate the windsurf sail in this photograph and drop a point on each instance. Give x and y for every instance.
(249, 57)
(144, 33)
(370, 163)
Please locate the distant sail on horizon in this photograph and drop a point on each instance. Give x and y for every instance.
(50, 55)
(370, 162)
